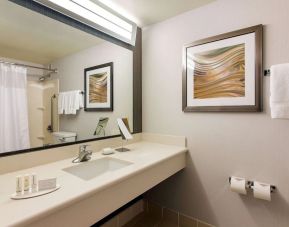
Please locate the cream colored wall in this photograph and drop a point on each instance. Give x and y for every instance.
(251, 145)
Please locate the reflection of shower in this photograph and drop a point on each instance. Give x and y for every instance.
(48, 75)
(43, 78)
(39, 94)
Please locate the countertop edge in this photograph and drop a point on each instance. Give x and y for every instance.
(52, 209)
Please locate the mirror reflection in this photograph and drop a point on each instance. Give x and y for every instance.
(58, 84)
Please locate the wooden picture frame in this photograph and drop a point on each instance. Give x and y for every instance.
(225, 71)
(98, 87)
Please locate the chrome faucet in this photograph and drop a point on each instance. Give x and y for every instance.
(83, 155)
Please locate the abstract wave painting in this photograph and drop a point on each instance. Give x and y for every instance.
(219, 73)
(98, 88)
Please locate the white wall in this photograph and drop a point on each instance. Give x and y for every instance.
(221, 144)
(71, 77)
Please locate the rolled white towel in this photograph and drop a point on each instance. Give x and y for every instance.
(279, 91)
(60, 103)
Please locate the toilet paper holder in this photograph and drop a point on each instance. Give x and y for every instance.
(272, 187)
(250, 184)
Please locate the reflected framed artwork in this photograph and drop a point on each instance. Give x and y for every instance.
(224, 73)
(98, 87)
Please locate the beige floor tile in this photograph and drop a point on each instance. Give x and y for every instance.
(167, 224)
(149, 221)
(125, 216)
(111, 223)
(170, 216)
(185, 221)
(203, 224)
(154, 210)
(135, 220)
(143, 220)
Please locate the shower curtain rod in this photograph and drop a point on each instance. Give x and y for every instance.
(28, 66)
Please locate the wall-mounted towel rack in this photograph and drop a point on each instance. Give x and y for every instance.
(54, 96)
(250, 185)
(50, 127)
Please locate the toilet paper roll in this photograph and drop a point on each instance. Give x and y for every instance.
(238, 185)
(262, 191)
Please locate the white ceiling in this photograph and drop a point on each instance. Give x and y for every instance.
(29, 36)
(147, 12)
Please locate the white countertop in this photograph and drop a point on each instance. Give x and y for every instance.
(143, 155)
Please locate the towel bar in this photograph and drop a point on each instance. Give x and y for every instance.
(50, 127)
(54, 96)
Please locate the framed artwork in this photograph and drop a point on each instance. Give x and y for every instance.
(224, 73)
(98, 87)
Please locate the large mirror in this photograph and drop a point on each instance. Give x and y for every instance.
(58, 84)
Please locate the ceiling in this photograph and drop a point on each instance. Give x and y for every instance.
(30, 36)
(147, 12)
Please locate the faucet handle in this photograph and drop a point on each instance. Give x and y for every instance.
(83, 147)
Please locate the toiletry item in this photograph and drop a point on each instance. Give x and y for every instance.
(19, 185)
(262, 191)
(46, 184)
(238, 185)
(26, 183)
(107, 151)
(34, 182)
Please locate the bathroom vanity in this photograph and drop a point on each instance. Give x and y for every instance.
(92, 190)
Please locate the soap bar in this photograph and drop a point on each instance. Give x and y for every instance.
(107, 151)
(26, 182)
(46, 184)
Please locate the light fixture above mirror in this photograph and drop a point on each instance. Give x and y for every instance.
(96, 15)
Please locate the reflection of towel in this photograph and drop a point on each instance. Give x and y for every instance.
(279, 89)
(69, 102)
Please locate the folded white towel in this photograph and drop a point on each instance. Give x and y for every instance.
(69, 102)
(279, 89)
(61, 103)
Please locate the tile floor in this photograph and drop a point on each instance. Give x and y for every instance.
(157, 216)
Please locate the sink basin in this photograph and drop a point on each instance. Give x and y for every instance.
(92, 169)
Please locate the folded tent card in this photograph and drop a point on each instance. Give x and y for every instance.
(124, 131)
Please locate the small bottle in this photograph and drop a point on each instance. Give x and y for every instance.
(26, 183)
(34, 182)
(19, 185)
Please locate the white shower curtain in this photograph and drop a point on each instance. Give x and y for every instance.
(14, 130)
